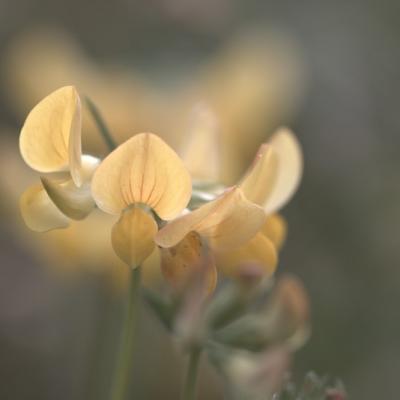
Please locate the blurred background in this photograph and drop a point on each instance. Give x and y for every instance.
(329, 70)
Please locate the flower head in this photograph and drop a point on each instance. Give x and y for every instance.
(50, 143)
(240, 225)
(270, 183)
(50, 139)
(141, 176)
(144, 182)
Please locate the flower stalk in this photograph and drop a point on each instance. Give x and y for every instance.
(101, 125)
(123, 368)
(189, 389)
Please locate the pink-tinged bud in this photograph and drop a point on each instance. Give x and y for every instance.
(250, 274)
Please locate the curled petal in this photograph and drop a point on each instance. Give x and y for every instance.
(146, 170)
(132, 236)
(50, 139)
(290, 169)
(259, 181)
(259, 251)
(183, 261)
(38, 211)
(201, 153)
(226, 222)
(275, 229)
(74, 202)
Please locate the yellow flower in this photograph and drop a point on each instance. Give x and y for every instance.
(142, 176)
(276, 172)
(272, 178)
(241, 225)
(225, 223)
(50, 143)
(187, 261)
(270, 182)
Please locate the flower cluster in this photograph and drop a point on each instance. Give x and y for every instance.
(201, 229)
(146, 184)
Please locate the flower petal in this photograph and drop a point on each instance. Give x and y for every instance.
(227, 221)
(181, 262)
(76, 203)
(50, 139)
(201, 152)
(259, 181)
(275, 229)
(146, 170)
(258, 250)
(132, 236)
(38, 211)
(290, 169)
(89, 166)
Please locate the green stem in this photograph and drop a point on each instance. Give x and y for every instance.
(189, 390)
(101, 125)
(123, 369)
(103, 349)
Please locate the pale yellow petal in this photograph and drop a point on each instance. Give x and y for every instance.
(290, 169)
(50, 139)
(259, 182)
(38, 211)
(133, 236)
(201, 153)
(74, 202)
(259, 251)
(226, 222)
(183, 261)
(146, 170)
(75, 143)
(275, 228)
(89, 166)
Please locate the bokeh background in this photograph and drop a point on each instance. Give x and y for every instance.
(329, 70)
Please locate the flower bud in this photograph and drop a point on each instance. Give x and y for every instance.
(190, 322)
(283, 319)
(179, 263)
(257, 376)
